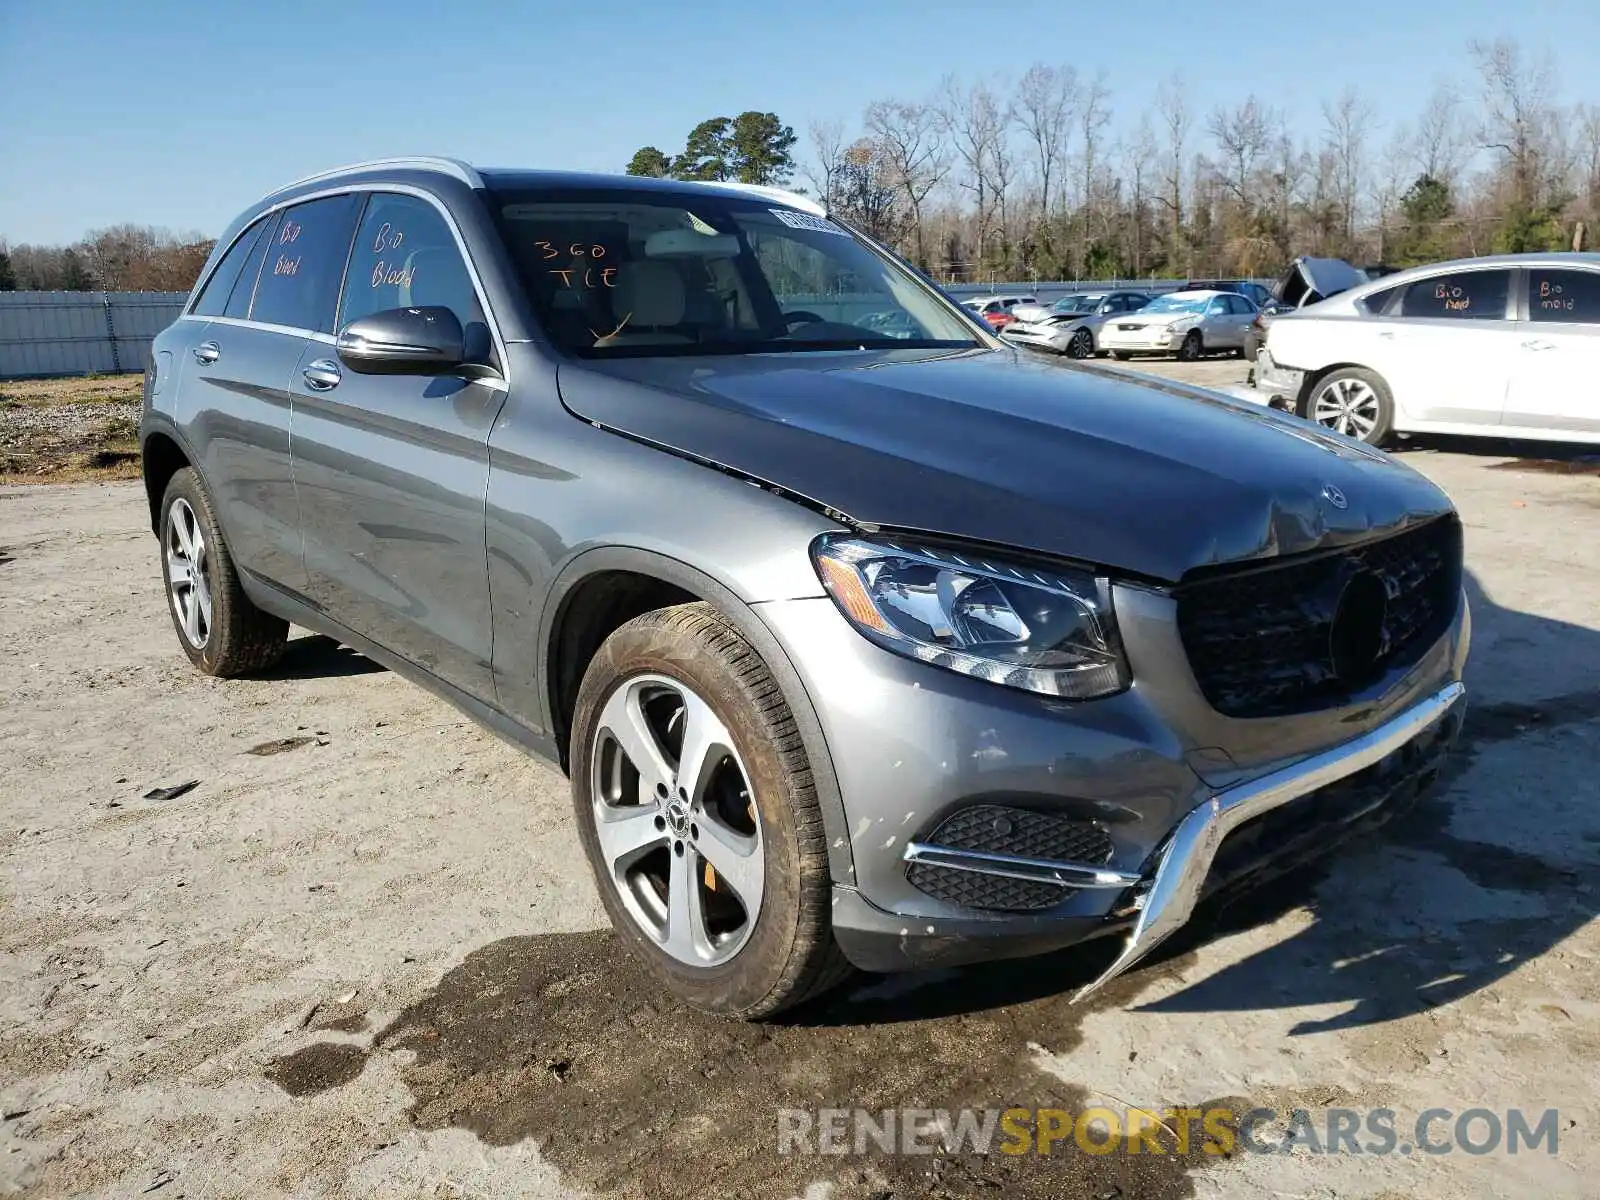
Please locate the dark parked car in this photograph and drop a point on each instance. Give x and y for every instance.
(859, 647)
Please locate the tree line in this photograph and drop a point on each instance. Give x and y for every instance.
(123, 258)
(1022, 178)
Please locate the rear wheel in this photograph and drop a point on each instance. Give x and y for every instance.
(1081, 345)
(1192, 347)
(219, 628)
(1353, 401)
(699, 817)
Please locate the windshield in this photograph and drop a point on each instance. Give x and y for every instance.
(629, 273)
(1178, 304)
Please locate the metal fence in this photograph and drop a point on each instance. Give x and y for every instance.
(81, 333)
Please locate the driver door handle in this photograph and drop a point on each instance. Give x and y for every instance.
(207, 353)
(322, 374)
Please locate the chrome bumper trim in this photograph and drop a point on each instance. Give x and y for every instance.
(1012, 866)
(1181, 870)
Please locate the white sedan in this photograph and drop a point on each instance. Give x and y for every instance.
(1507, 346)
(1185, 324)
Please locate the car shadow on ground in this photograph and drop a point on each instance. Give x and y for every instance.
(1552, 458)
(317, 657)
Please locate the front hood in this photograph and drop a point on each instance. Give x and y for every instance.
(1140, 475)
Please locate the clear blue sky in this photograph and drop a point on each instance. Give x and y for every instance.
(180, 112)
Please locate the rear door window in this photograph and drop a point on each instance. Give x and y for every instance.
(305, 260)
(1463, 295)
(406, 256)
(244, 287)
(213, 299)
(1564, 296)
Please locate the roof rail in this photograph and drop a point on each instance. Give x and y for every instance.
(421, 162)
(781, 195)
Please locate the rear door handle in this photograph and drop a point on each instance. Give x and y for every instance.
(1386, 334)
(322, 374)
(207, 353)
(1538, 344)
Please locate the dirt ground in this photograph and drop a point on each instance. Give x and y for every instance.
(362, 957)
(69, 430)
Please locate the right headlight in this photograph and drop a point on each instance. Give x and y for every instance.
(1050, 631)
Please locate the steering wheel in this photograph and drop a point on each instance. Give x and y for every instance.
(801, 317)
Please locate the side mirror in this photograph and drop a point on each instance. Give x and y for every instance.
(404, 341)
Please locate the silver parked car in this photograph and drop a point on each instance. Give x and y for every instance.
(1070, 326)
(858, 648)
(1185, 324)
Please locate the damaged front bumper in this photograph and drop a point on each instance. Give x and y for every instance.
(1171, 889)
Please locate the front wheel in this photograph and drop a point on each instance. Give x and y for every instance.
(1081, 345)
(699, 816)
(1353, 401)
(221, 631)
(1121, 355)
(1192, 347)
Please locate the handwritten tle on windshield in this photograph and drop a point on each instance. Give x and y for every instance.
(384, 273)
(287, 235)
(594, 272)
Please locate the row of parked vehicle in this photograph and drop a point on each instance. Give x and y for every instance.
(1506, 346)
(1203, 317)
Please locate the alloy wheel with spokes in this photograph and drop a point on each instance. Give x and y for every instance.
(188, 582)
(1353, 401)
(676, 821)
(1081, 345)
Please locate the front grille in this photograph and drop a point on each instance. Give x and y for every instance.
(997, 829)
(1262, 641)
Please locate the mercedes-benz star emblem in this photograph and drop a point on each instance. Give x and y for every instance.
(1334, 496)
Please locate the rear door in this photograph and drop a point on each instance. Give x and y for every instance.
(392, 469)
(1446, 347)
(234, 403)
(1555, 381)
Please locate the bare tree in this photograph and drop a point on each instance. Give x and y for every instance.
(1139, 155)
(827, 149)
(1173, 112)
(1242, 136)
(1439, 144)
(1347, 123)
(1094, 114)
(972, 119)
(1045, 102)
(1588, 123)
(908, 137)
(1516, 113)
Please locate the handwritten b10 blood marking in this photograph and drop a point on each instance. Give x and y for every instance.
(387, 274)
(1451, 294)
(1552, 299)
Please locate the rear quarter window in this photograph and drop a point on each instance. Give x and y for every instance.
(213, 299)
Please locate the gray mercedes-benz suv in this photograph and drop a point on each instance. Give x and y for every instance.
(859, 648)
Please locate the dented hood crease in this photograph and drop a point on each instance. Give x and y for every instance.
(1144, 477)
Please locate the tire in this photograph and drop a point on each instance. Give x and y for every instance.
(662, 667)
(236, 637)
(1121, 355)
(1353, 401)
(1192, 347)
(1081, 345)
